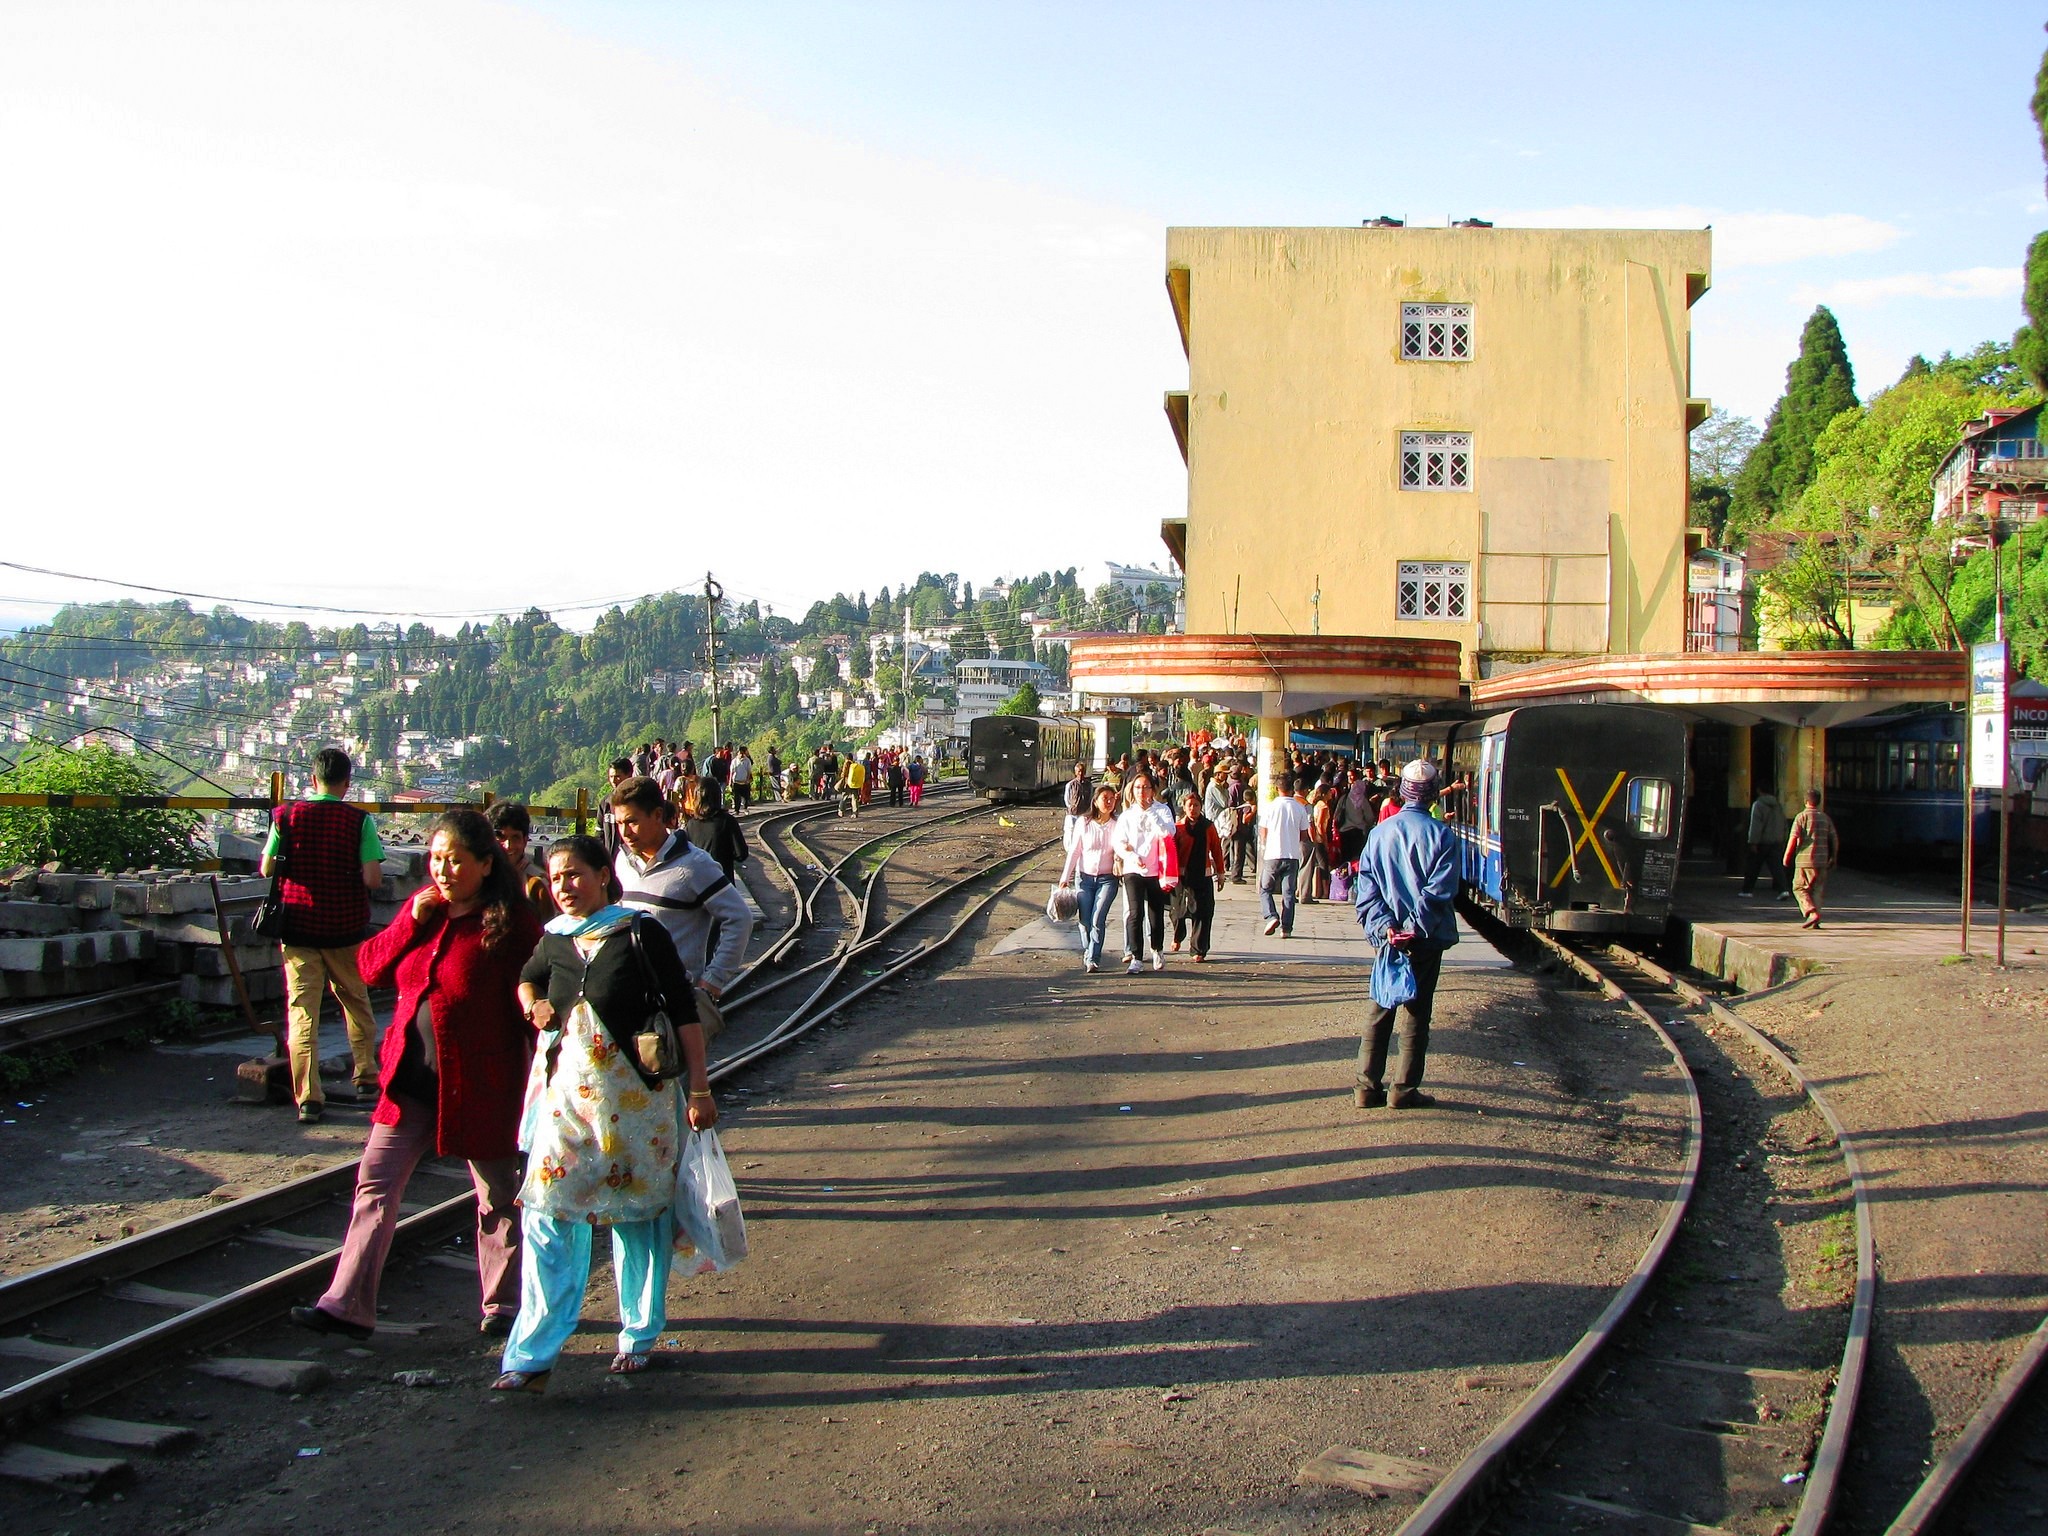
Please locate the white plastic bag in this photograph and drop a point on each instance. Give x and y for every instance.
(708, 1218)
(1063, 905)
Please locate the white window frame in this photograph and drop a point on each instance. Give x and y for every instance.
(1433, 591)
(1436, 461)
(1436, 333)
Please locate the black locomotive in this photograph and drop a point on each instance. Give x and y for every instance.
(1569, 814)
(1019, 757)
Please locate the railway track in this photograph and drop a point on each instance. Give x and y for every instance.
(86, 1328)
(1715, 1392)
(1994, 1478)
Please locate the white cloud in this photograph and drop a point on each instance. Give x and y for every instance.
(1862, 292)
(1740, 239)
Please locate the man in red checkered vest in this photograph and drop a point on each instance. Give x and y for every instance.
(329, 858)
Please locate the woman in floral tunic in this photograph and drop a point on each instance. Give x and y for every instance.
(601, 1141)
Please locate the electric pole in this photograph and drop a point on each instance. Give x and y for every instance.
(713, 595)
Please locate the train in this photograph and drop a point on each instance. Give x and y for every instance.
(1569, 816)
(1020, 757)
(1895, 787)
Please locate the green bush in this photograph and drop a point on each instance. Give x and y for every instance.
(91, 839)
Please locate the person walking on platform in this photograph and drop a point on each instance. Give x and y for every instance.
(514, 827)
(1076, 797)
(715, 829)
(328, 859)
(1144, 847)
(1405, 896)
(1199, 854)
(601, 1138)
(1244, 831)
(913, 777)
(1283, 836)
(1767, 832)
(681, 886)
(452, 1068)
(1091, 859)
(1811, 851)
(742, 786)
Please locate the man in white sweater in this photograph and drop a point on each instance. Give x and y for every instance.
(1283, 836)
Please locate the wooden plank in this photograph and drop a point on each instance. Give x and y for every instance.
(21, 1347)
(461, 1261)
(153, 1296)
(297, 1242)
(270, 1375)
(1370, 1473)
(60, 1469)
(142, 1437)
(1716, 1368)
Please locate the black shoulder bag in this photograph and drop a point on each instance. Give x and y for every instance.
(656, 1050)
(270, 915)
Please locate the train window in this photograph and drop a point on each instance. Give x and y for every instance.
(1948, 758)
(1649, 807)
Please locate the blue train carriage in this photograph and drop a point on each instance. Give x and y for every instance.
(1895, 787)
(1020, 757)
(1569, 814)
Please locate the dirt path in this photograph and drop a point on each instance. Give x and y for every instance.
(1032, 1251)
(1936, 1070)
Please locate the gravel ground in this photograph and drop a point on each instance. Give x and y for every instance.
(1032, 1251)
(1936, 1071)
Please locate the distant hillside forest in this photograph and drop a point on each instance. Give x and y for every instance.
(541, 709)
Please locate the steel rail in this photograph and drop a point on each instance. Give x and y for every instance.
(39, 1026)
(1824, 1476)
(112, 1366)
(1937, 1493)
(1458, 1500)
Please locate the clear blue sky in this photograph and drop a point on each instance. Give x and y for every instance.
(821, 295)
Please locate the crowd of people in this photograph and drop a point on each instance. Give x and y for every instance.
(521, 991)
(1165, 831)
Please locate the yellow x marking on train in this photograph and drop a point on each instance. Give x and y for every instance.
(1587, 824)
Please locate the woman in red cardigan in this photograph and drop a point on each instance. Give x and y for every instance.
(452, 1069)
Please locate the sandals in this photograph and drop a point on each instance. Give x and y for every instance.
(535, 1382)
(624, 1364)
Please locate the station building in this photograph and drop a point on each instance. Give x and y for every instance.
(1448, 469)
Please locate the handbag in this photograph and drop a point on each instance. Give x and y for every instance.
(1340, 884)
(270, 915)
(657, 1051)
(710, 1017)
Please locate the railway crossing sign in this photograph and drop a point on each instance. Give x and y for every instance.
(1990, 757)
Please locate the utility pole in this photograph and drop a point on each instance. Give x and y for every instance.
(713, 595)
(1998, 536)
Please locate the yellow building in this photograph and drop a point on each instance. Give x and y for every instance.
(1469, 433)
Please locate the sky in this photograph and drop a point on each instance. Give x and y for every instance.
(445, 307)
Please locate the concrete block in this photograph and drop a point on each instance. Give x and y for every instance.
(30, 955)
(24, 887)
(131, 898)
(251, 957)
(93, 895)
(57, 887)
(219, 991)
(36, 917)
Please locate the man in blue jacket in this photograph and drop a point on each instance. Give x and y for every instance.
(1405, 893)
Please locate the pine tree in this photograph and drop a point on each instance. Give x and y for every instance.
(1819, 386)
(2030, 342)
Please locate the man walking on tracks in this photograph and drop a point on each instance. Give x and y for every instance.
(1811, 851)
(681, 887)
(328, 858)
(1406, 889)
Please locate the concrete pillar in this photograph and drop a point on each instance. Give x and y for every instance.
(1739, 787)
(1272, 755)
(1802, 763)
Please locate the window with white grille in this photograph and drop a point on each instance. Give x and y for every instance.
(1436, 461)
(1436, 333)
(1432, 589)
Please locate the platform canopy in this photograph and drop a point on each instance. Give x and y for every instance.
(1270, 676)
(1803, 689)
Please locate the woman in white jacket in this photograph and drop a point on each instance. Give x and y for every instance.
(1091, 856)
(1144, 842)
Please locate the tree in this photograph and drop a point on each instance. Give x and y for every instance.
(1819, 386)
(91, 839)
(1023, 702)
(1720, 446)
(2031, 341)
